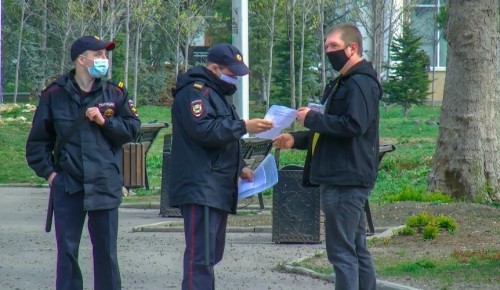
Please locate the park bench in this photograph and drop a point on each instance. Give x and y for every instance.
(253, 151)
(134, 155)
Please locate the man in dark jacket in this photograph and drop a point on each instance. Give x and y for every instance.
(206, 158)
(342, 155)
(84, 173)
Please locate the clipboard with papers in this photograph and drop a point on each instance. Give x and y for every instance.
(265, 176)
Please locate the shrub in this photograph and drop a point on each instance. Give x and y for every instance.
(406, 231)
(428, 224)
(430, 231)
(446, 222)
(419, 221)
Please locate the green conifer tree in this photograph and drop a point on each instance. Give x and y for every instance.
(408, 83)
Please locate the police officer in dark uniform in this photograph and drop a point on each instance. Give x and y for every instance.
(84, 178)
(206, 157)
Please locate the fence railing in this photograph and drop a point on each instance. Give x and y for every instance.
(21, 97)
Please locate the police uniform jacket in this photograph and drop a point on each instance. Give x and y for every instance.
(91, 159)
(205, 142)
(346, 152)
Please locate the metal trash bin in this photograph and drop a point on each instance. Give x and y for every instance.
(165, 209)
(297, 215)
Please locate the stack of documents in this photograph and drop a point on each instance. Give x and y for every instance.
(264, 176)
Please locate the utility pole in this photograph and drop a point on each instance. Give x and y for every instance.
(239, 26)
(1, 85)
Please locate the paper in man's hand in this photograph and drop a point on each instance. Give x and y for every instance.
(282, 117)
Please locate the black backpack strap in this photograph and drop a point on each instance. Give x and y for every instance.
(81, 117)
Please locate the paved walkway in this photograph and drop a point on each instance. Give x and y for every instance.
(148, 260)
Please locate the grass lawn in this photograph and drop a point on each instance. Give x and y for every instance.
(13, 134)
(407, 167)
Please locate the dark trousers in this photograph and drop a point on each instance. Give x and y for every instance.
(345, 236)
(197, 275)
(69, 217)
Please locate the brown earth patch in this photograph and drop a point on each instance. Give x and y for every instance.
(478, 228)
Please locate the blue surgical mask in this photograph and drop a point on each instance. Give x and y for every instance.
(99, 68)
(228, 79)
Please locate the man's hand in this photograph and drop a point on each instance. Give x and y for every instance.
(246, 173)
(258, 125)
(301, 114)
(94, 115)
(283, 141)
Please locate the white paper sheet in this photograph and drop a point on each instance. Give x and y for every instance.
(264, 176)
(282, 117)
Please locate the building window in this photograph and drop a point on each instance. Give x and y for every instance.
(424, 24)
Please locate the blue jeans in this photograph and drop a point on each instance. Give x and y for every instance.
(345, 235)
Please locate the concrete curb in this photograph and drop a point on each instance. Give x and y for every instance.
(381, 284)
(32, 185)
(156, 205)
(177, 227)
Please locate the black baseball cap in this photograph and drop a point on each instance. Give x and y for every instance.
(228, 56)
(88, 42)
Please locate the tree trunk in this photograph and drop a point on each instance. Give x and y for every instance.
(127, 44)
(101, 18)
(271, 48)
(301, 64)
(322, 33)
(263, 90)
(466, 163)
(137, 61)
(19, 49)
(112, 17)
(389, 39)
(64, 51)
(291, 39)
(377, 29)
(43, 48)
(186, 51)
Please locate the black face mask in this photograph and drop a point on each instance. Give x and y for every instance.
(337, 59)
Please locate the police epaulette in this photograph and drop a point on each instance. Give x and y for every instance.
(119, 84)
(48, 86)
(198, 86)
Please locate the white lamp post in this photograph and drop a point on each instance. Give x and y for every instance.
(240, 40)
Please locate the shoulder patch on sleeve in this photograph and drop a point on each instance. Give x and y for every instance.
(197, 108)
(132, 107)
